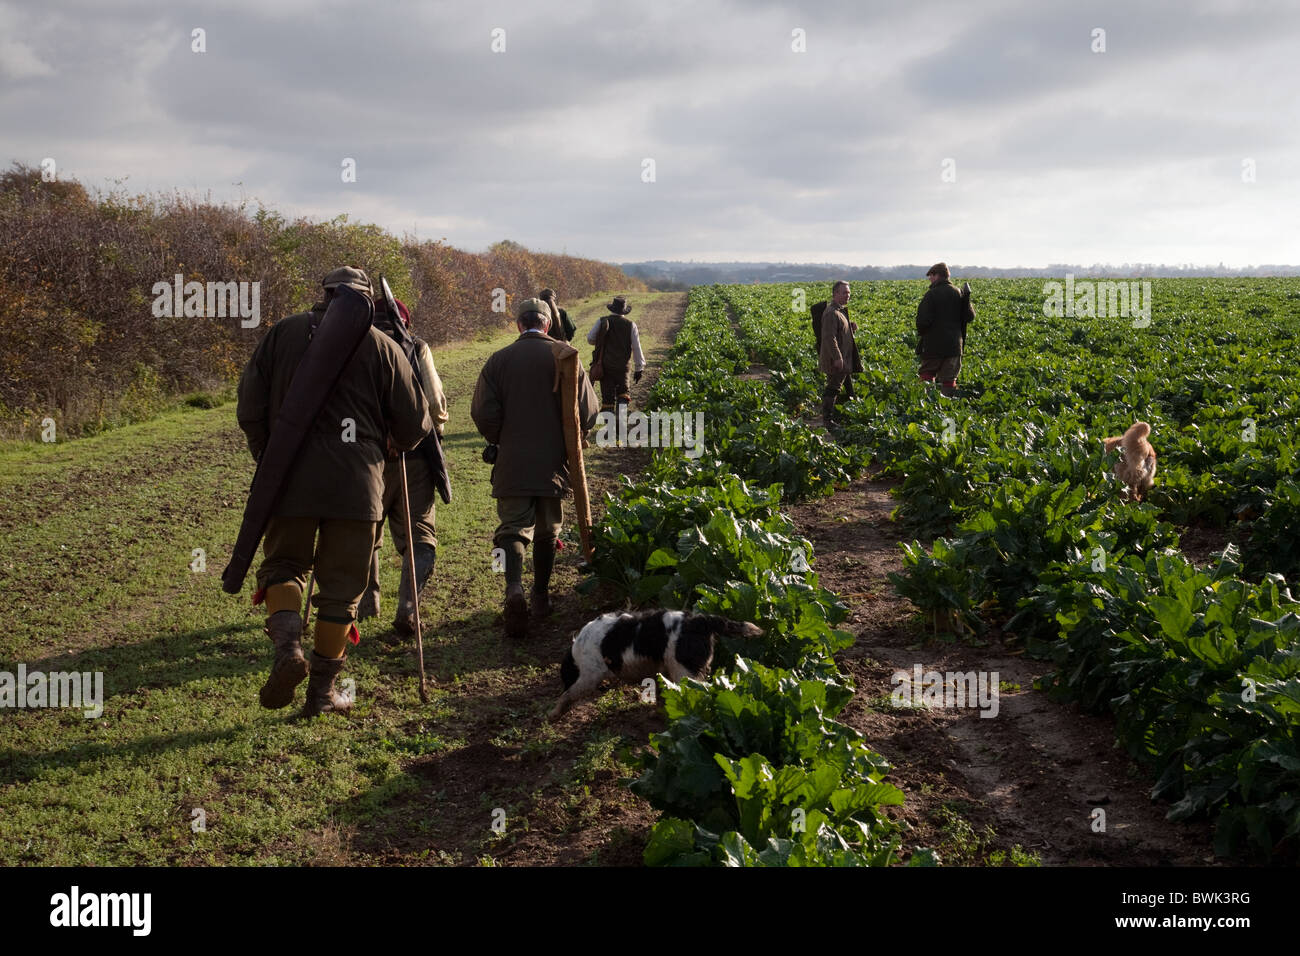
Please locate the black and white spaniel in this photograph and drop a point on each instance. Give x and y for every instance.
(631, 647)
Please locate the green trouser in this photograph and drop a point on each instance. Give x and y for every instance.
(419, 479)
(342, 561)
(523, 520)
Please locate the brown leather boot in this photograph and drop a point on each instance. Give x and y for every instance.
(516, 611)
(290, 667)
(321, 696)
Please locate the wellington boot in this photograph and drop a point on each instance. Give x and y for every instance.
(539, 604)
(516, 611)
(290, 667)
(425, 557)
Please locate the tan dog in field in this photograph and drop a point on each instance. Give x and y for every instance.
(1136, 467)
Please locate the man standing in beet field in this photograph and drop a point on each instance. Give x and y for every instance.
(836, 358)
(941, 321)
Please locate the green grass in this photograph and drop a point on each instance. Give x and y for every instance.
(96, 541)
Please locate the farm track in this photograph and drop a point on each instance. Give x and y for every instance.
(1035, 774)
(531, 769)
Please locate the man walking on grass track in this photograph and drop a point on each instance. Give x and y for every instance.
(331, 497)
(941, 321)
(837, 350)
(420, 480)
(517, 407)
(617, 343)
(562, 327)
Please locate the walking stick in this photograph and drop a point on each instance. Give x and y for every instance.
(410, 569)
(306, 612)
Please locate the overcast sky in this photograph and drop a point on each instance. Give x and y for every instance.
(1055, 153)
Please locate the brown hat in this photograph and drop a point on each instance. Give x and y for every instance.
(939, 269)
(348, 276)
(548, 294)
(619, 306)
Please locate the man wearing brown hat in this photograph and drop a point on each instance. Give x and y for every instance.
(326, 514)
(516, 408)
(562, 327)
(621, 343)
(941, 321)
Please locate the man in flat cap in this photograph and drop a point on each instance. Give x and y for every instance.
(326, 514)
(621, 343)
(941, 321)
(516, 407)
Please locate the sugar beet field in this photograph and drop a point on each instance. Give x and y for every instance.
(977, 651)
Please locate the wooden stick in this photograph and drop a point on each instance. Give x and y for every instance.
(415, 584)
(306, 611)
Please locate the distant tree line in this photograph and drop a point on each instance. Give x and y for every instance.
(665, 275)
(79, 338)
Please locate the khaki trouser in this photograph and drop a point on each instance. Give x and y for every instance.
(419, 480)
(945, 369)
(342, 561)
(834, 382)
(524, 518)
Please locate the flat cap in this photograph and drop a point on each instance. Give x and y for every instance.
(348, 276)
(534, 305)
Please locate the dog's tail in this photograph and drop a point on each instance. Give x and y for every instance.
(1130, 438)
(730, 628)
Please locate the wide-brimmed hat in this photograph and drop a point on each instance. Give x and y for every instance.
(351, 277)
(619, 306)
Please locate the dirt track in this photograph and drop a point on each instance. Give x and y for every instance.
(1036, 773)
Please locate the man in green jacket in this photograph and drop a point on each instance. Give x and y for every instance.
(326, 515)
(421, 485)
(562, 327)
(941, 321)
(516, 408)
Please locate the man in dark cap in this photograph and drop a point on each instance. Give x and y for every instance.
(941, 321)
(516, 408)
(621, 343)
(562, 327)
(326, 514)
(420, 483)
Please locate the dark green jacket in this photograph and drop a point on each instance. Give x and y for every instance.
(339, 472)
(939, 322)
(516, 407)
(567, 329)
